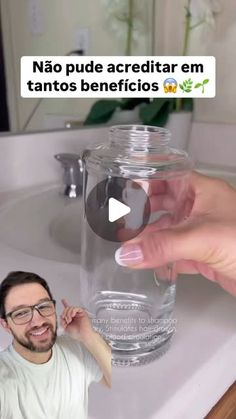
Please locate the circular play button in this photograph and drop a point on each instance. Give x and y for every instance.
(117, 209)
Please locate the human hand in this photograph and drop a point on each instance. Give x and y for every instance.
(203, 243)
(75, 321)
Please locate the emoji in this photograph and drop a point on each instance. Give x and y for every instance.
(202, 85)
(186, 86)
(170, 85)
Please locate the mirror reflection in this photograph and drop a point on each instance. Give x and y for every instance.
(39, 27)
(111, 27)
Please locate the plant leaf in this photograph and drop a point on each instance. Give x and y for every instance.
(187, 104)
(205, 81)
(188, 90)
(181, 86)
(101, 111)
(172, 104)
(197, 85)
(161, 118)
(150, 114)
(131, 103)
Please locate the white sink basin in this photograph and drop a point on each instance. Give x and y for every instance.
(45, 224)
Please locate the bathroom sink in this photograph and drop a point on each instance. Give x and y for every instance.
(45, 224)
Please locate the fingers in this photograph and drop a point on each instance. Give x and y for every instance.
(187, 241)
(163, 222)
(64, 302)
(70, 313)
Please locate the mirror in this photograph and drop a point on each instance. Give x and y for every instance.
(39, 27)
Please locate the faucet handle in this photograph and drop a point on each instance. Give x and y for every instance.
(73, 173)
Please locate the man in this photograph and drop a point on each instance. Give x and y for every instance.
(42, 375)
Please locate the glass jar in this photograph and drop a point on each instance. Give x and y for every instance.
(132, 309)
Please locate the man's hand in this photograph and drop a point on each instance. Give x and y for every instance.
(75, 321)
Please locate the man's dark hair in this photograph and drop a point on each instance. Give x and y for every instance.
(19, 278)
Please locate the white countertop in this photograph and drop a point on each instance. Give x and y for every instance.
(196, 371)
(188, 380)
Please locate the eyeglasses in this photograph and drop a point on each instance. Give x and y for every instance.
(25, 314)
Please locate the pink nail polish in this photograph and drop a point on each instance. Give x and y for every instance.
(129, 255)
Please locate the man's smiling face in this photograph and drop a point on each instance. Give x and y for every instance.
(39, 334)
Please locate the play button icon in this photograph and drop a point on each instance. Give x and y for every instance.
(116, 209)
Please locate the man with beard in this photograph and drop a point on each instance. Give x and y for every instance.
(42, 375)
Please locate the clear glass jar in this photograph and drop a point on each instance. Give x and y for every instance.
(132, 309)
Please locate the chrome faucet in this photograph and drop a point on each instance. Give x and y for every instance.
(73, 173)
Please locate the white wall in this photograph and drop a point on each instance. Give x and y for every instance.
(218, 41)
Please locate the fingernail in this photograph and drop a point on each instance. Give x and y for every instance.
(129, 255)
